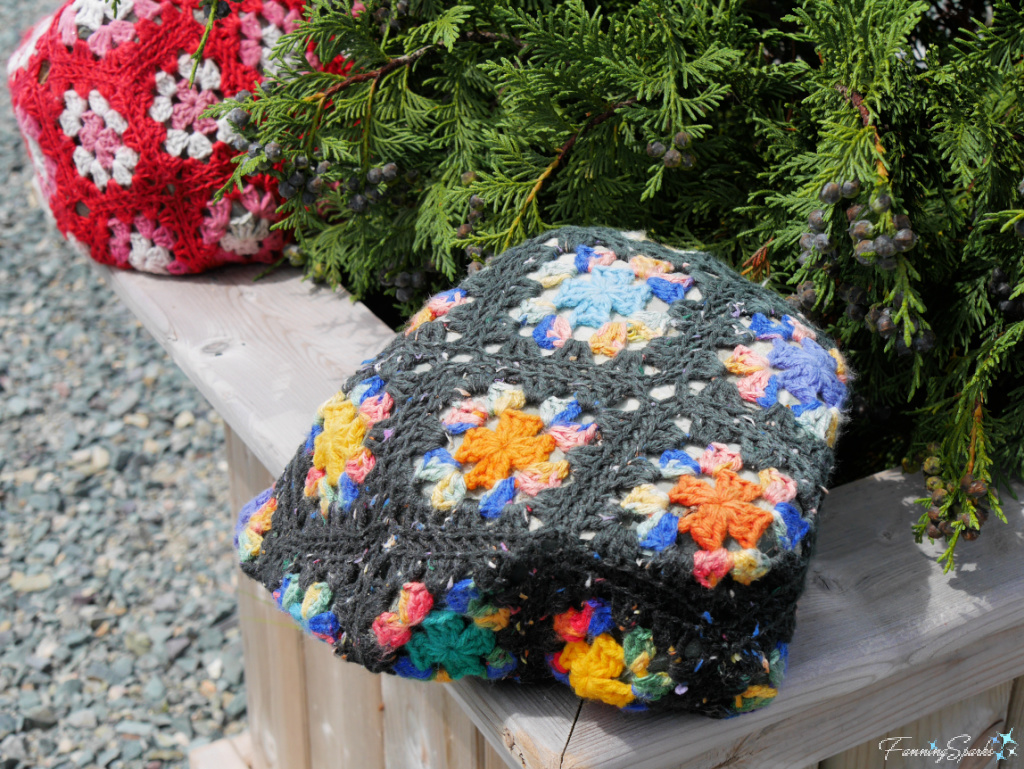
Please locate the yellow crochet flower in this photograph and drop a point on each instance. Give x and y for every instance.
(594, 670)
(341, 439)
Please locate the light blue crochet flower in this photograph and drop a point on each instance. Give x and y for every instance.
(607, 289)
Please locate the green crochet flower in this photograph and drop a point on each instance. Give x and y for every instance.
(444, 638)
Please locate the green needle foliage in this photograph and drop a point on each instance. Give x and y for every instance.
(862, 155)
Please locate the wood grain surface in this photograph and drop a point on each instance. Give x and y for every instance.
(969, 723)
(275, 676)
(227, 753)
(265, 354)
(346, 718)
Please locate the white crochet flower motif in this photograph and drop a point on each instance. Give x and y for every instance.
(146, 246)
(260, 33)
(243, 227)
(24, 52)
(180, 108)
(97, 129)
(100, 25)
(93, 14)
(147, 257)
(245, 234)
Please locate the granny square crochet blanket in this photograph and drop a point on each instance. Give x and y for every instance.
(124, 158)
(598, 460)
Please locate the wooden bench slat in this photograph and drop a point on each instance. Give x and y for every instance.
(264, 354)
(883, 636)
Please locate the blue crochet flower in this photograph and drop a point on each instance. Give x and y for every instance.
(808, 372)
(607, 289)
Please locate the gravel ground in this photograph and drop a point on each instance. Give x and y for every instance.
(119, 642)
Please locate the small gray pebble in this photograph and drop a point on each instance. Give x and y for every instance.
(13, 746)
(233, 669)
(98, 671)
(165, 602)
(154, 691)
(124, 403)
(7, 725)
(68, 689)
(210, 638)
(40, 718)
(76, 638)
(121, 669)
(46, 550)
(138, 728)
(236, 707)
(82, 719)
(175, 647)
(38, 663)
(131, 750)
(16, 406)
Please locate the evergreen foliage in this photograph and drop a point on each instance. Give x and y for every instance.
(864, 154)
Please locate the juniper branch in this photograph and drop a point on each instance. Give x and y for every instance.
(563, 153)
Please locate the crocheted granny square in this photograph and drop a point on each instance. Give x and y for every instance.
(598, 459)
(123, 157)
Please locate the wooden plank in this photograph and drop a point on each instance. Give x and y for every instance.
(271, 644)
(1015, 719)
(882, 636)
(346, 711)
(490, 758)
(247, 476)
(264, 354)
(425, 729)
(876, 622)
(976, 717)
(243, 744)
(221, 754)
(526, 726)
(274, 681)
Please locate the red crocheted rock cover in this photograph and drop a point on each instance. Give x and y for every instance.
(123, 157)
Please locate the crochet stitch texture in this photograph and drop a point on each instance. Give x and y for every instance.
(598, 459)
(123, 157)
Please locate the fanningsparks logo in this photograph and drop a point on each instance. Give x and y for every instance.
(1003, 747)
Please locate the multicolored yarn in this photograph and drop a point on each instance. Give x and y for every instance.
(310, 608)
(501, 452)
(796, 371)
(558, 471)
(123, 156)
(448, 643)
(340, 461)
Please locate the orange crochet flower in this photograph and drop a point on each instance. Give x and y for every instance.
(723, 509)
(515, 444)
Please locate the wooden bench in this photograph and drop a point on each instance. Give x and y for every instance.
(884, 639)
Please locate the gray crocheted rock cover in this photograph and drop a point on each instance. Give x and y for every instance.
(598, 459)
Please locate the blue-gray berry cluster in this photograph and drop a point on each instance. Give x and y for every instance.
(672, 156)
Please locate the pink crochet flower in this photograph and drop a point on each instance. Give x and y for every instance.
(259, 39)
(710, 566)
(242, 229)
(104, 28)
(718, 456)
(142, 244)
